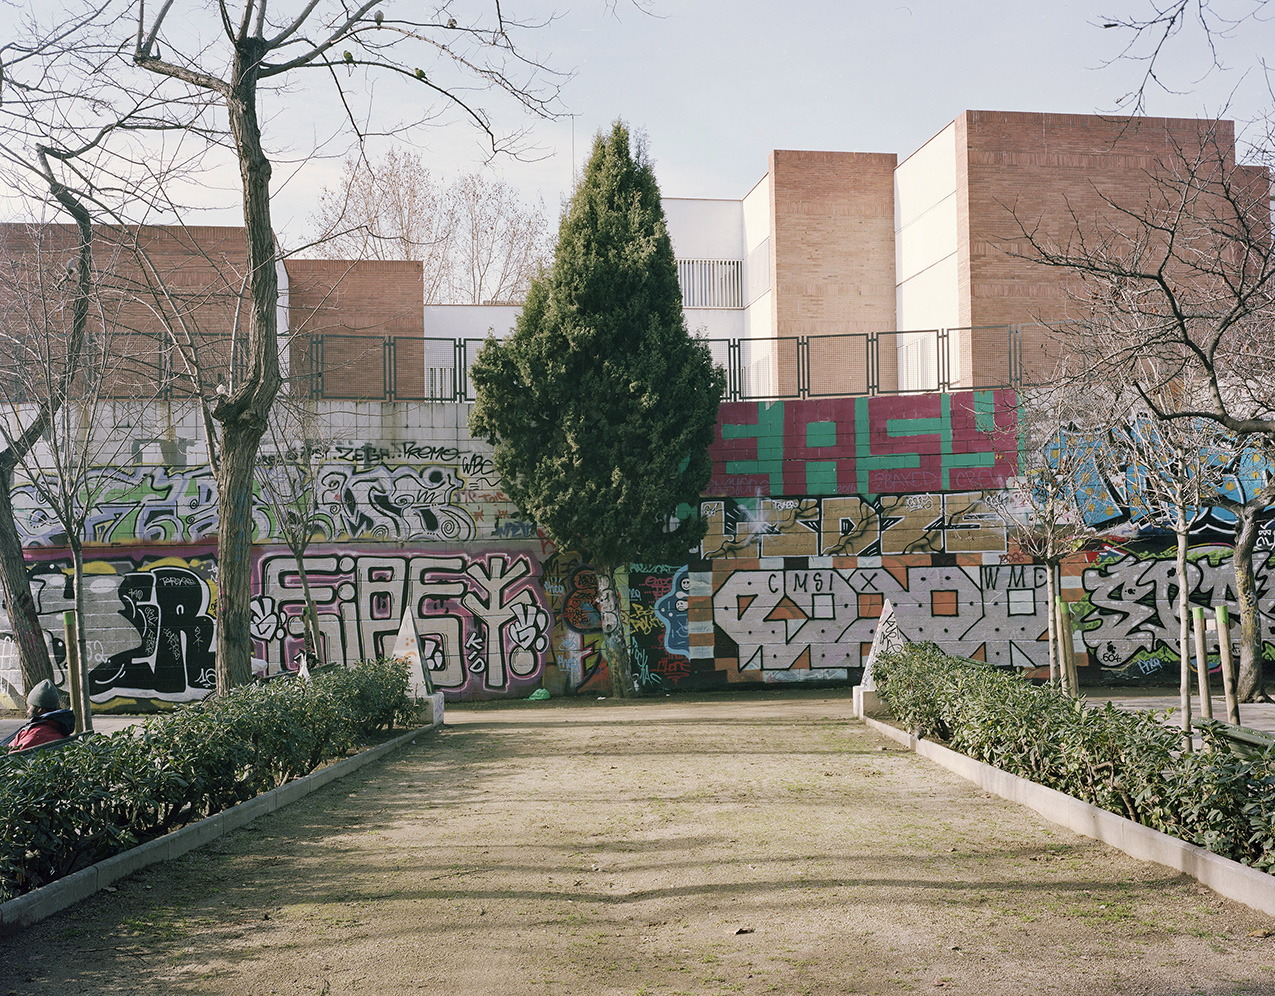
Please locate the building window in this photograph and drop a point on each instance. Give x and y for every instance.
(918, 361)
(711, 283)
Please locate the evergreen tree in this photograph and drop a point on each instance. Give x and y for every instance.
(600, 405)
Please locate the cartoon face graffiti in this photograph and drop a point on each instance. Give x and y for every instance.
(671, 609)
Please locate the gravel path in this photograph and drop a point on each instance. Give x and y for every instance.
(760, 843)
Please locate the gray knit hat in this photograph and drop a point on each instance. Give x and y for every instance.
(44, 696)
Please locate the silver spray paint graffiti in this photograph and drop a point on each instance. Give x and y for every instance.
(805, 621)
(482, 619)
(150, 619)
(1130, 608)
(431, 503)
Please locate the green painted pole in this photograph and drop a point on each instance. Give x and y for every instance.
(1228, 665)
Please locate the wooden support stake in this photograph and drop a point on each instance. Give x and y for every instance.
(1202, 665)
(1228, 666)
(73, 668)
(1071, 682)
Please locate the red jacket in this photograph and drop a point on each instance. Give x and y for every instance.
(51, 726)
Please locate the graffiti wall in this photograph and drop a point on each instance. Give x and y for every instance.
(1127, 607)
(364, 492)
(151, 619)
(818, 512)
(863, 446)
(482, 618)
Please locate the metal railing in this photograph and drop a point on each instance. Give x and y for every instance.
(330, 366)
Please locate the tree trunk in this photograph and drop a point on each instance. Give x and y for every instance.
(1184, 628)
(1250, 682)
(313, 641)
(243, 412)
(617, 647)
(33, 652)
(234, 558)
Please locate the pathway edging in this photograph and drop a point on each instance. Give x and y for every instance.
(1227, 878)
(58, 895)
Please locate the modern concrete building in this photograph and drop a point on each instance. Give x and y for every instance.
(855, 273)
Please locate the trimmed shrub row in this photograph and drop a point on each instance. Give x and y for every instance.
(65, 809)
(1129, 763)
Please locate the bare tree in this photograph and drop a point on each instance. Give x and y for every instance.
(288, 483)
(69, 352)
(1045, 522)
(26, 423)
(254, 49)
(77, 140)
(499, 245)
(1252, 509)
(392, 208)
(1180, 295)
(479, 242)
(1151, 33)
(1172, 470)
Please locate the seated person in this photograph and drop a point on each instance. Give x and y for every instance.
(49, 721)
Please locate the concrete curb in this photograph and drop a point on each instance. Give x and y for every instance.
(47, 900)
(1225, 877)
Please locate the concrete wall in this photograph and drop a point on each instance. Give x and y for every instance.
(470, 321)
(705, 228)
(817, 511)
(927, 294)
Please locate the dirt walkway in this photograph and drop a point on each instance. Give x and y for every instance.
(748, 844)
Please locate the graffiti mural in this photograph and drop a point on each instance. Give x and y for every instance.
(964, 522)
(1130, 607)
(578, 646)
(811, 620)
(150, 619)
(818, 511)
(170, 608)
(658, 607)
(483, 621)
(1112, 496)
(371, 499)
(865, 446)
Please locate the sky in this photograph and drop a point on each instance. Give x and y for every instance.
(715, 85)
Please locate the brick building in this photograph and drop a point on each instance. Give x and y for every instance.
(855, 273)
(870, 318)
(917, 268)
(838, 273)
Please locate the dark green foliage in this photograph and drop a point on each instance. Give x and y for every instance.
(64, 809)
(600, 406)
(1127, 762)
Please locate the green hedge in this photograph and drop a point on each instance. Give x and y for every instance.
(1130, 763)
(65, 809)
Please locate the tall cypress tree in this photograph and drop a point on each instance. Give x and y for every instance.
(600, 405)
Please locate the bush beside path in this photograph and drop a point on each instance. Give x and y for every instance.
(746, 843)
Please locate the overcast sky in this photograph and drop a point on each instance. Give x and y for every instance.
(716, 84)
